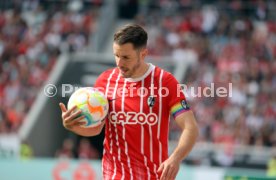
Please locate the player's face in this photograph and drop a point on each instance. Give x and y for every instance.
(128, 60)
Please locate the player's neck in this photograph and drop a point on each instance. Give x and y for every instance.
(141, 71)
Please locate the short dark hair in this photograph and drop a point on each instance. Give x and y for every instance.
(131, 33)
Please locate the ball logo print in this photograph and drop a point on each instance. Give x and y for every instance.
(93, 103)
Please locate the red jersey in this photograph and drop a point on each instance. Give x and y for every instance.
(136, 130)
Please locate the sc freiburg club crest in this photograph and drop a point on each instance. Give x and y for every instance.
(185, 105)
(151, 101)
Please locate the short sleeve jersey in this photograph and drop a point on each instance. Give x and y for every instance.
(137, 126)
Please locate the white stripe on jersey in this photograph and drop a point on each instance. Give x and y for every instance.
(151, 148)
(142, 128)
(116, 132)
(110, 134)
(108, 82)
(150, 108)
(124, 132)
(160, 115)
(109, 124)
(123, 172)
(142, 132)
(115, 168)
(146, 161)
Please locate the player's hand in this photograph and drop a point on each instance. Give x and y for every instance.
(169, 169)
(70, 118)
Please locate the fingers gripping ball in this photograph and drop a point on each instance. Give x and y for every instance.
(92, 103)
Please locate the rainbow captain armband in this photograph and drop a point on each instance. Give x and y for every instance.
(179, 108)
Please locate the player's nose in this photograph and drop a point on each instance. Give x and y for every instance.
(120, 62)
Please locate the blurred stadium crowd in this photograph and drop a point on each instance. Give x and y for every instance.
(32, 36)
(225, 43)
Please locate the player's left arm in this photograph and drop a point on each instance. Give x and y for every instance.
(186, 121)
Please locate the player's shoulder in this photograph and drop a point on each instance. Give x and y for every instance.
(103, 77)
(166, 75)
(107, 73)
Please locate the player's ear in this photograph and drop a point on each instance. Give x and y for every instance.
(144, 53)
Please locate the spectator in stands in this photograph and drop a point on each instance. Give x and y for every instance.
(86, 150)
(271, 167)
(26, 151)
(226, 47)
(66, 150)
(31, 39)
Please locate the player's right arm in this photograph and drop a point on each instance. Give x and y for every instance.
(71, 121)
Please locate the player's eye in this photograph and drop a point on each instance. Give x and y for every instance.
(125, 58)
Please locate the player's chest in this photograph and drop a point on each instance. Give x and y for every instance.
(134, 97)
(134, 103)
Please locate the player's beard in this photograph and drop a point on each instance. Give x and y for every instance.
(130, 72)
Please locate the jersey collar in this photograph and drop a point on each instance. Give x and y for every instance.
(151, 67)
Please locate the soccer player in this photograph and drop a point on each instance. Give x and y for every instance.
(141, 97)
